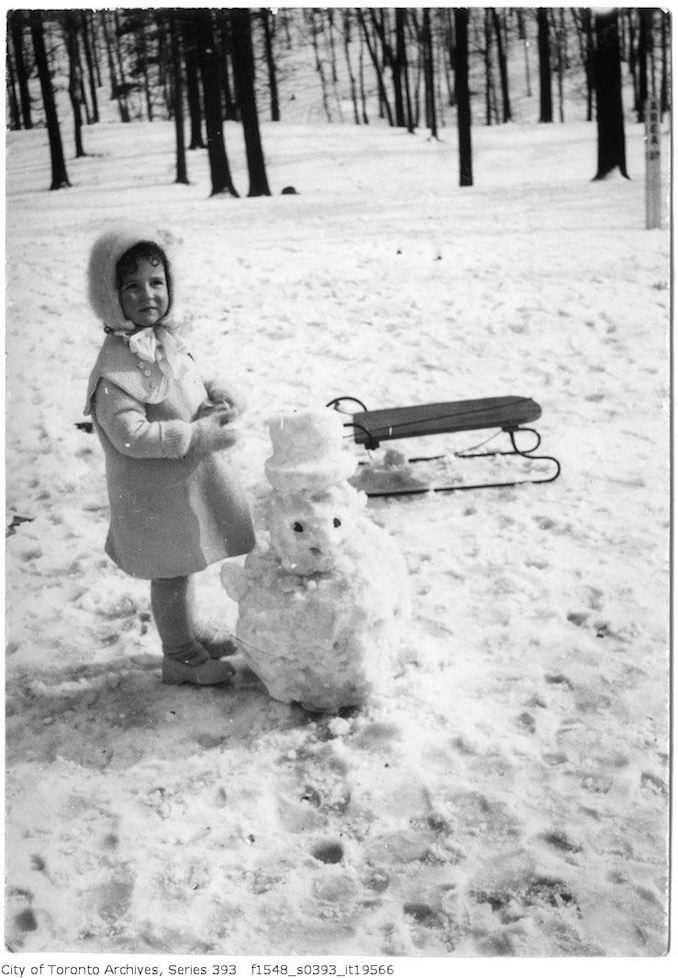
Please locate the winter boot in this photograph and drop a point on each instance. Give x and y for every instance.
(196, 667)
(215, 639)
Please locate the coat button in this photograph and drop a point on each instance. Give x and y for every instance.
(140, 365)
(153, 385)
(147, 373)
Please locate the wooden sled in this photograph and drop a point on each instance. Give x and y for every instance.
(510, 415)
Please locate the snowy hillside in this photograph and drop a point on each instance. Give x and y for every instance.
(508, 794)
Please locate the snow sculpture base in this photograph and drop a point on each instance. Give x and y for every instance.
(324, 640)
(321, 605)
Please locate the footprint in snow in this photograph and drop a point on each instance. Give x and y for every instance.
(511, 898)
(424, 914)
(527, 722)
(597, 784)
(602, 629)
(113, 899)
(375, 736)
(328, 852)
(560, 840)
(21, 918)
(341, 889)
(473, 814)
(650, 782)
(25, 921)
(559, 680)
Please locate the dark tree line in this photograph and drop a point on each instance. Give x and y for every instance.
(202, 67)
(154, 55)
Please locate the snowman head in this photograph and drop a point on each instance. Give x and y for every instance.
(309, 531)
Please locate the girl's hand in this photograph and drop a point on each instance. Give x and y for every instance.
(227, 412)
(223, 394)
(212, 433)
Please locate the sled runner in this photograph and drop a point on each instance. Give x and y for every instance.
(511, 415)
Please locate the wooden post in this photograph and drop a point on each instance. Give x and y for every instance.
(653, 181)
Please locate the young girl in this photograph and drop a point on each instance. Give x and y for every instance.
(176, 504)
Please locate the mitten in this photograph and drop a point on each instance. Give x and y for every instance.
(212, 433)
(220, 392)
(225, 411)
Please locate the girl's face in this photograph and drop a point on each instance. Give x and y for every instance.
(144, 296)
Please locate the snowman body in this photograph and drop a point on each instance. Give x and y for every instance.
(321, 605)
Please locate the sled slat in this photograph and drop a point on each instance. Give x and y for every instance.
(508, 413)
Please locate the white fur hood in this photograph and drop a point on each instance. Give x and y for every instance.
(106, 252)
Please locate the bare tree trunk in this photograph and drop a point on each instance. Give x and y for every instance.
(653, 55)
(560, 63)
(59, 174)
(401, 55)
(664, 97)
(451, 58)
(377, 67)
(109, 54)
(610, 112)
(361, 75)
(175, 41)
(582, 23)
(645, 15)
(440, 74)
(117, 54)
(488, 69)
(399, 72)
(286, 26)
(349, 66)
(190, 47)
(82, 92)
(14, 110)
(116, 86)
(209, 69)
(84, 23)
(545, 100)
(94, 39)
(70, 24)
(163, 56)
(142, 47)
(461, 19)
(396, 61)
(319, 65)
(333, 50)
(522, 34)
(16, 23)
(416, 33)
(243, 63)
(429, 74)
(528, 80)
(270, 61)
(503, 71)
(633, 60)
(232, 112)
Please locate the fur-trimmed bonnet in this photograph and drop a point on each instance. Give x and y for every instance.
(106, 252)
(156, 348)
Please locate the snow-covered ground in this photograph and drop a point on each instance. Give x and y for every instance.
(508, 794)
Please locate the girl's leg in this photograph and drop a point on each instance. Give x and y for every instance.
(184, 658)
(214, 637)
(170, 606)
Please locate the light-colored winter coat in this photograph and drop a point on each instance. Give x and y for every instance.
(174, 509)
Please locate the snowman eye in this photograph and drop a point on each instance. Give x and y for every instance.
(298, 528)
(337, 521)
